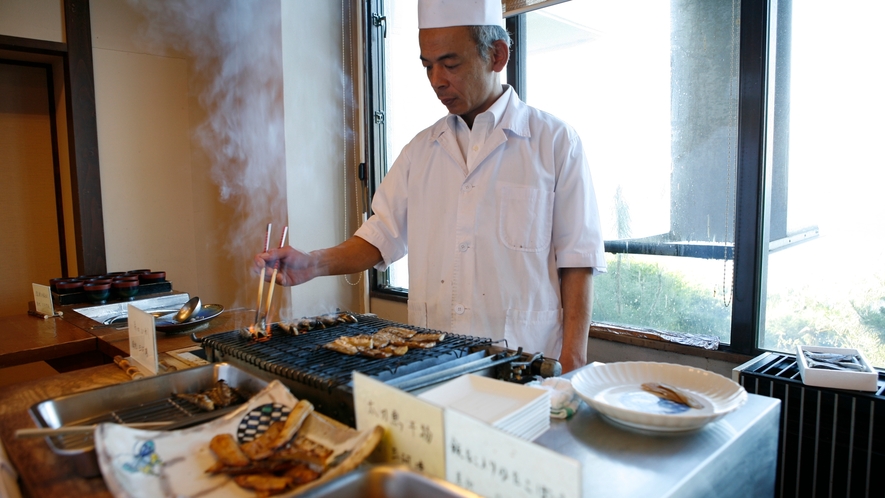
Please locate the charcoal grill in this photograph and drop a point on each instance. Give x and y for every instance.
(325, 377)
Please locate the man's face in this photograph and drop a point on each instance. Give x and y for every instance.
(465, 83)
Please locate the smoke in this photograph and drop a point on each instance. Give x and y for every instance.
(235, 54)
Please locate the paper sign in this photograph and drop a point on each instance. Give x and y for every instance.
(143, 339)
(43, 300)
(413, 428)
(492, 463)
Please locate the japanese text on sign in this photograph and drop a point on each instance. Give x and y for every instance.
(492, 463)
(143, 338)
(413, 428)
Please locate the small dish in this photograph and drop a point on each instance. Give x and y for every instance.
(152, 277)
(97, 292)
(166, 324)
(68, 286)
(126, 289)
(615, 391)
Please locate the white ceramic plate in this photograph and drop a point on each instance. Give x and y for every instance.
(139, 463)
(615, 391)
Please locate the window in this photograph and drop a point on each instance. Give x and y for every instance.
(651, 88)
(827, 127)
(675, 102)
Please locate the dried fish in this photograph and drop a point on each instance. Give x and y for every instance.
(279, 433)
(672, 394)
(201, 400)
(834, 361)
(228, 451)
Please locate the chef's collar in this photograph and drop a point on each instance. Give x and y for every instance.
(495, 112)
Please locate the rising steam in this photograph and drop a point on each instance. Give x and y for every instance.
(235, 52)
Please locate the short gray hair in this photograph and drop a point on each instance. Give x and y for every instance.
(485, 38)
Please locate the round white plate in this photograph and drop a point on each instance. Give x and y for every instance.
(615, 391)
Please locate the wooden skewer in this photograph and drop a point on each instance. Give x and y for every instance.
(79, 429)
(273, 277)
(261, 278)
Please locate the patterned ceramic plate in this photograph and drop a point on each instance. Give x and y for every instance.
(615, 391)
(139, 463)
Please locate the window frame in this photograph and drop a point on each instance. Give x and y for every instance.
(754, 179)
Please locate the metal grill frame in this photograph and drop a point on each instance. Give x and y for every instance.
(302, 358)
(325, 377)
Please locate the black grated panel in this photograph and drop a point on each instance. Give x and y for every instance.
(302, 358)
(832, 441)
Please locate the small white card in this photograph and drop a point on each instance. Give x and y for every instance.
(491, 463)
(413, 428)
(43, 300)
(143, 339)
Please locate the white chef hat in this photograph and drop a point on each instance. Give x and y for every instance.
(445, 13)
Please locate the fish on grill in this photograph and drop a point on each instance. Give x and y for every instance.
(386, 342)
(307, 324)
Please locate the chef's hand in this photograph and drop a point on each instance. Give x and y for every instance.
(294, 267)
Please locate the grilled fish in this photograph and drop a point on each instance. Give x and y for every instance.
(673, 394)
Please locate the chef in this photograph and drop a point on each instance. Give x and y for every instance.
(493, 203)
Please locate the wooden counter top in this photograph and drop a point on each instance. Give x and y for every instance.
(112, 341)
(25, 339)
(42, 472)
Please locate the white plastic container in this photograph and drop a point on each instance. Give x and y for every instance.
(838, 379)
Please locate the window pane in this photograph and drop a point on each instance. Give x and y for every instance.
(830, 290)
(411, 103)
(651, 87)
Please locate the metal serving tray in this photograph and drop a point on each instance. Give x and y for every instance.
(145, 400)
(389, 482)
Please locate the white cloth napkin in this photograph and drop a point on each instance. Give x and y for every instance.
(564, 400)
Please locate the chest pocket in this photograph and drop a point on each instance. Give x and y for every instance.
(525, 218)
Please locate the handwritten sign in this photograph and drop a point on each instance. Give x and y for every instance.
(143, 339)
(43, 300)
(491, 463)
(413, 428)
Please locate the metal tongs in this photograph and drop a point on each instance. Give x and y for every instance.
(260, 329)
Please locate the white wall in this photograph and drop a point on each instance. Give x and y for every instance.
(161, 207)
(312, 67)
(37, 19)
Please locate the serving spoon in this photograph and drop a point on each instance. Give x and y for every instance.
(190, 308)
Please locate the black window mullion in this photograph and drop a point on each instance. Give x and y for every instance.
(375, 125)
(516, 68)
(751, 246)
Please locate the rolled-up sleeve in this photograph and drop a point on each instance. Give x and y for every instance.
(577, 234)
(386, 229)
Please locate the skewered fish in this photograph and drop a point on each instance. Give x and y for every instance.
(201, 400)
(386, 342)
(672, 394)
(307, 324)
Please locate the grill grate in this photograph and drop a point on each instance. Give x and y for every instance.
(831, 440)
(176, 410)
(302, 358)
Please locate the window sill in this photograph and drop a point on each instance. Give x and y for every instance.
(641, 339)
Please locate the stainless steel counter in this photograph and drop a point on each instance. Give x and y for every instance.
(734, 456)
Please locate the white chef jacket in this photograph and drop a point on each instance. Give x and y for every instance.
(487, 236)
